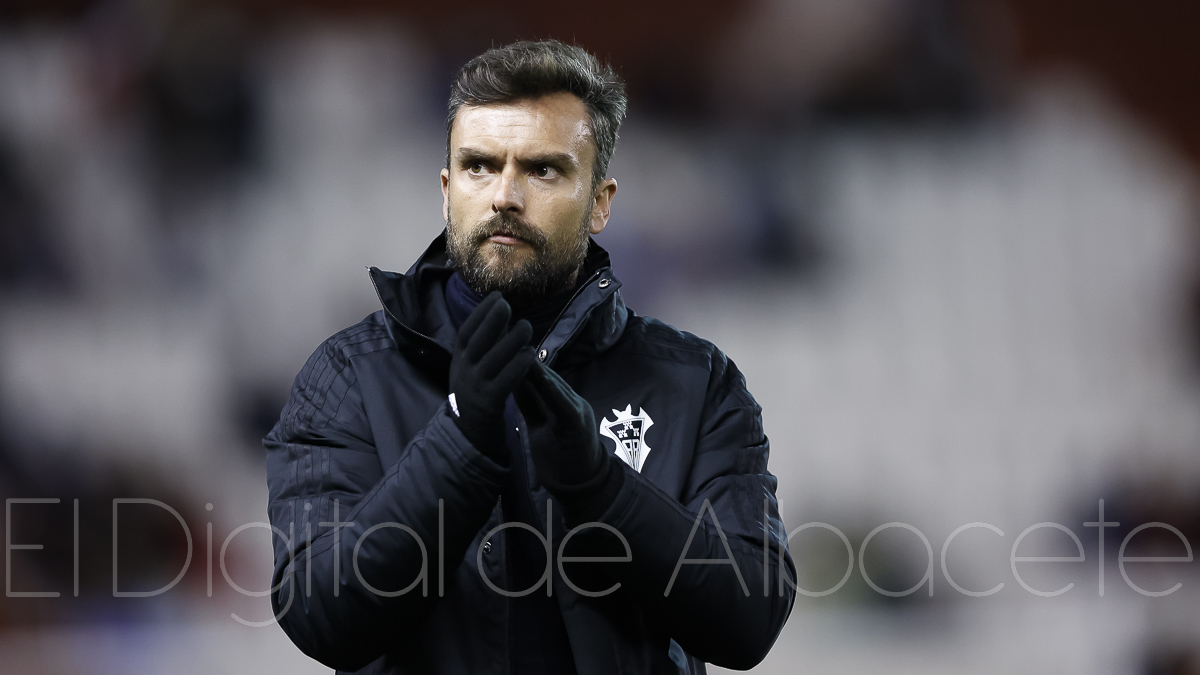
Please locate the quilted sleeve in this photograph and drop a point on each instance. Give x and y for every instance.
(355, 542)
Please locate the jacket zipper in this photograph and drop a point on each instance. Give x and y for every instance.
(507, 604)
(567, 306)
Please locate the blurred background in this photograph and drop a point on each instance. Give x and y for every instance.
(952, 245)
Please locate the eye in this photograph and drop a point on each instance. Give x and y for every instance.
(544, 171)
(475, 168)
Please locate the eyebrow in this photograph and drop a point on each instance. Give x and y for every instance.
(470, 154)
(465, 155)
(559, 158)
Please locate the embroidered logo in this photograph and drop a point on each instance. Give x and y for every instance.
(629, 433)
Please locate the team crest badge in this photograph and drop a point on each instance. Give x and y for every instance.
(629, 433)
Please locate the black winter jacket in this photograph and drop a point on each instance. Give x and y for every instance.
(405, 581)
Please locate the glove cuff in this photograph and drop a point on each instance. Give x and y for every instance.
(487, 437)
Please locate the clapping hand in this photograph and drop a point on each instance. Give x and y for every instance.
(489, 360)
(567, 453)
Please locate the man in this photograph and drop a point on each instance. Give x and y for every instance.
(448, 490)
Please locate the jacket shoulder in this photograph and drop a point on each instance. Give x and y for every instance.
(326, 379)
(653, 337)
(365, 336)
(658, 339)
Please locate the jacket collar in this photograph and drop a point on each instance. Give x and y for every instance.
(415, 302)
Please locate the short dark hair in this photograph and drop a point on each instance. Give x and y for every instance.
(531, 69)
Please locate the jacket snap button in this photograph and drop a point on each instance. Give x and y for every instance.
(604, 283)
(542, 355)
(487, 547)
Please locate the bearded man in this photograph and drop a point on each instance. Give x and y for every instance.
(447, 489)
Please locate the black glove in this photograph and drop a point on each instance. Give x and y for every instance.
(489, 359)
(566, 449)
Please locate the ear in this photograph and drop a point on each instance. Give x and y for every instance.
(446, 194)
(602, 204)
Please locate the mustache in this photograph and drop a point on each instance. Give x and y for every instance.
(509, 225)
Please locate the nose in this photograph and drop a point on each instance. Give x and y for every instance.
(509, 195)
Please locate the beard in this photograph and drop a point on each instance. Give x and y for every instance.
(524, 277)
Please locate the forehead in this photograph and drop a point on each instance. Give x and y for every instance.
(556, 122)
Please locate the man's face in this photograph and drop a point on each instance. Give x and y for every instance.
(518, 197)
